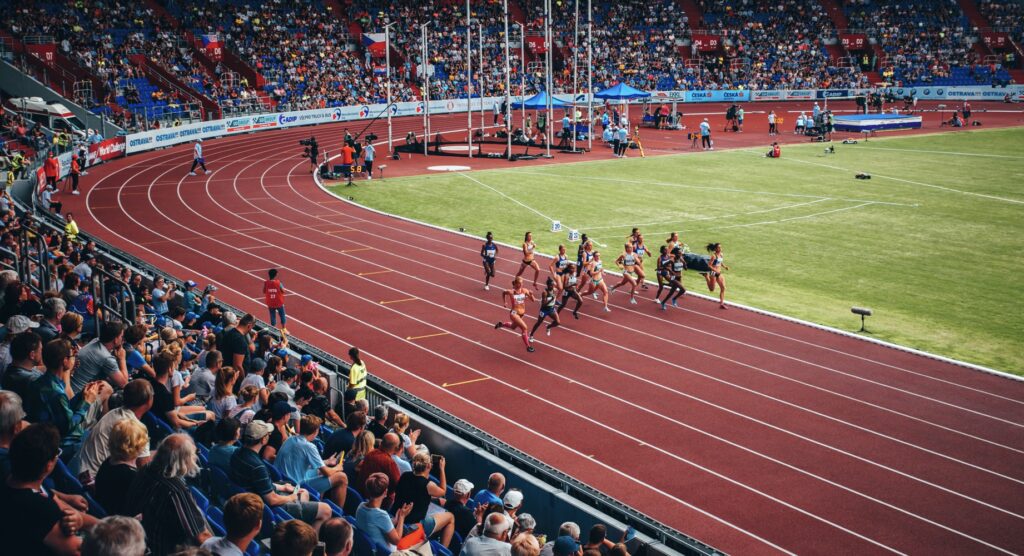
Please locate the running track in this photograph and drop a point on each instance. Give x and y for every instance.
(748, 432)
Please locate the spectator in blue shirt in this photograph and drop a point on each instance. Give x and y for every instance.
(300, 461)
(373, 521)
(491, 494)
(226, 433)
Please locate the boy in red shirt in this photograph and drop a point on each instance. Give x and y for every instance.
(273, 293)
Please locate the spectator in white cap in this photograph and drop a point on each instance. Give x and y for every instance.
(512, 502)
(464, 518)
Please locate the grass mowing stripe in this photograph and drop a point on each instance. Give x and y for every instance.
(942, 271)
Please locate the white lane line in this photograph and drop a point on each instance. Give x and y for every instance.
(911, 182)
(685, 218)
(705, 187)
(955, 153)
(783, 220)
(417, 377)
(516, 201)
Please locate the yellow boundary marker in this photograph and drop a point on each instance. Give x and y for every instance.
(450, 384)
(375, 272)
(389, 302)
(427, 336)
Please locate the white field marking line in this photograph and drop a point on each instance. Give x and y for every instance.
(770, 373)
(520, 203)
(703, 218)
(506, 355)
(815, 215)
(879, 384)
(784, 318)
(706, 187)
(468, 401)
(457, 292)
(955, 153)
(587, 418)
(949, 404)
(911, 182)
(683, 394)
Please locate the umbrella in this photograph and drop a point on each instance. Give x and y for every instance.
(622, 92)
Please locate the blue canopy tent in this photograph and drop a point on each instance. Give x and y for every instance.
(622, 92)
(539, 101)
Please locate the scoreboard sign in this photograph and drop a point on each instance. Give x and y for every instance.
(706, 42)
(854, 41)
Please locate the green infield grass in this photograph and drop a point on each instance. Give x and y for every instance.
(933, 243)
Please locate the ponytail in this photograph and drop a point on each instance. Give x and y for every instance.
(712, 247)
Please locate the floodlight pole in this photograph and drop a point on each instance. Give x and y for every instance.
(387, 62)
(426, 91)
(469, 80)
(507, 112)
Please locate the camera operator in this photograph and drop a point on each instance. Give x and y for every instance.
(312, 151)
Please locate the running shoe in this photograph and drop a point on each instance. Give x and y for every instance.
(209, 172)
(576, 315)
(191, 173)
(76, 192)
(595, 295)
(497, 325)
(531, 339)
(530, 349)
(607, 309)
(487, 287)
(674, 303)
(632, 301)
(663, 307)
(548, 330)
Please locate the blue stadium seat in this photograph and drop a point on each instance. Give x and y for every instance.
(95, 509)
(215, 517)
(352, 501)
(201, 500)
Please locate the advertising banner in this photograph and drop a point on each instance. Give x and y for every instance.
(758, 96)
(717, 96)
(108, 149)
(960, 93)
(801, 95)
(833, 93)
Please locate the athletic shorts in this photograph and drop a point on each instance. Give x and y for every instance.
(489, 260)
(546, 313)
(321, 484)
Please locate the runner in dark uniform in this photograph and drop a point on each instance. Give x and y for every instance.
(548, 308)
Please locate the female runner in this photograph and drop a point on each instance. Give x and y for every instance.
(583, 265)
(557, 269)
(596, 273)
(548, 308)
(717, 264)
(628, 262)
(580, 254)
(662, 270)
(641, 252)
(488, 252)
(517, 296)
(673, 241)
(675, 270)
(528, 248)
(570, 288)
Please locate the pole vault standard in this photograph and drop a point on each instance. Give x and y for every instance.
(387, 62)
(548, 136)
(480, 42)
(522, 75)
(507, 112)
(590, 77)
(575, 69)
(426, 89)
(469, 80)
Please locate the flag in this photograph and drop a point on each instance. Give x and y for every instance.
(374, 42)
(211, 40)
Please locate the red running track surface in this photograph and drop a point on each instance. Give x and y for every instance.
(749, 432)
